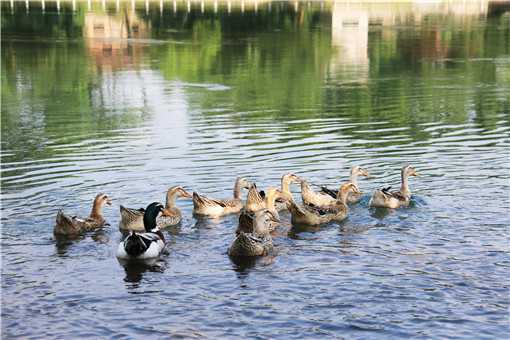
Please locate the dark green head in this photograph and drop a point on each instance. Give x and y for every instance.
(152, 212)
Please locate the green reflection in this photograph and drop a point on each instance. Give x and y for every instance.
(403, 65)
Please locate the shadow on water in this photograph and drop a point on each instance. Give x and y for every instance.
(64, 242)
(135, 269)
(381, 213)
(244, 264)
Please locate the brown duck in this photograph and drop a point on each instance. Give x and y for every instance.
(74, 225)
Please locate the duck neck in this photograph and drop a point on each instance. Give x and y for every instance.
(97, 212)
(270, 201)
(285, 185)
(171, 196)
(404, 187)
(149, 223)
(342, 196)
(354, 177)
(237, 189)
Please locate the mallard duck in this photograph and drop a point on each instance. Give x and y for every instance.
(147, 245)
(313, 215)
(211, 207)
(258, 242)
(353, 197)
(67, 225)
(287, 180)
(385, 198)
(247, 216)
(132, 219)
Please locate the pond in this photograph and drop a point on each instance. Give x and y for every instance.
(130, 98)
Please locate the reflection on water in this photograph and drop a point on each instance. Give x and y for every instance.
(131, 97)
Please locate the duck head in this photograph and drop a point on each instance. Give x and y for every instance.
(359, 171)
(345, 189)
(287, 179)
(263, 218)
(152, 212)
(291, 178)
(243, 183)
(102, 199)
(409, 170)
(178, 191)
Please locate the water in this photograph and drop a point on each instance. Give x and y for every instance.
(132, 102)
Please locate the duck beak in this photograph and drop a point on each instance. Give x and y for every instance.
(416, 174)
(186, 194)
(274, 218)
(109, 201)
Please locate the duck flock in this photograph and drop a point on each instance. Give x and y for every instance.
(258, 214)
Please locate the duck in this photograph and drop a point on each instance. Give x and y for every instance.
(317, 215)
(312, 198)
(132, 219)
(287, 180)
(210, 207)
(255, 199)
(258, 242)
(255, 204)
(385, 198)
(147, 245)
(66, 225)
(353, 197)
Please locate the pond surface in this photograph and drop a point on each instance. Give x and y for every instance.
(131, 100)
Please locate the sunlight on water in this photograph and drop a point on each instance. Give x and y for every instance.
(132, 97)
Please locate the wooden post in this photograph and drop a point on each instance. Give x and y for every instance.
(43, 5)
(117, 6)
(215, 6)
(229, 6)
(146, 6)
(175, 6)
(104, 5)
(26, 5)
(161, 7)
(74, 5)
(89, 5)
(202, 6)
(133, 6)
(189, 6)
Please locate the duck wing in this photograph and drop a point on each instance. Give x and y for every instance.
(201, 200)
(136, 244)
(398, 195)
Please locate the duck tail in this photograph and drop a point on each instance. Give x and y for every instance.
(63, 219)
(134, 245)
(332, 193)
